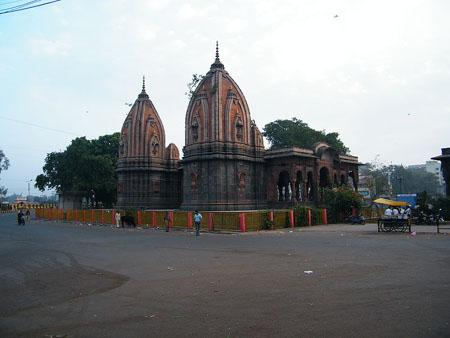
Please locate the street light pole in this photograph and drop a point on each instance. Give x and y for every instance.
(28, 197)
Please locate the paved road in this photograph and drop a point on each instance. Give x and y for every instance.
(81, 281)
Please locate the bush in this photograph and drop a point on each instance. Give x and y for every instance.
(340, 201)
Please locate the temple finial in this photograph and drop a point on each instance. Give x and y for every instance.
(143, 83)
(217, 51)
(217, 64)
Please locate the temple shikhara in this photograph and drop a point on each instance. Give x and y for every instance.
(225, 165)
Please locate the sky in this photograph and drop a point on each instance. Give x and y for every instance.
(378, 73)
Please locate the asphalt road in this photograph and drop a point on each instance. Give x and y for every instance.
(59, 279)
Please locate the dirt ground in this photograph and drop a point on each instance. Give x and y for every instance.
(72, 280)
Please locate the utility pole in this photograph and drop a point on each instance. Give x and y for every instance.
(28, 197)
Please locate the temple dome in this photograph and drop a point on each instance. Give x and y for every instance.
(142, 134)
(218, 111)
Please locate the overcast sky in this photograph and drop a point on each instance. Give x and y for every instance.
(378, 73)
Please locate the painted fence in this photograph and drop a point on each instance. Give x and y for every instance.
(212, 221)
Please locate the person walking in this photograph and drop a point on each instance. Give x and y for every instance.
(118, 219)
(197, 221)
(27, 213)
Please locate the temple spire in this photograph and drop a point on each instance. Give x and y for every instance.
(217, 64)
(143, 94)
(217, 51)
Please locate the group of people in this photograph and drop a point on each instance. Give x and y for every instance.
(197, 221)
(21, 216)
(398, 213)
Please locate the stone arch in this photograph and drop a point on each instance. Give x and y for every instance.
(284, 182)
(351, 180)
(299, 193)
(310, 186)
(324, 177)
(342, 179)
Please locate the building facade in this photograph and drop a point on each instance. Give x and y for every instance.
(225, 165)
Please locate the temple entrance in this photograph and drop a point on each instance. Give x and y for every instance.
(299, 187)
(284, 187)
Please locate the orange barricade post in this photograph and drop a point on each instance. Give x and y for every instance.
(139, 217)
(291, 218)
(154, 219)
(210, 221)
(271, 218)
(324, 216)
(242, 222)
(189, 220)
(170, 219)
(309, 217)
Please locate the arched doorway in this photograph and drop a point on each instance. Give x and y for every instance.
(324, 181)
(284, 187)
(310, 186)
(342, 179)
(299, 193)
(352, 180)
(324, 178)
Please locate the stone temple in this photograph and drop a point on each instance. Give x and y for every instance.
(225, 165)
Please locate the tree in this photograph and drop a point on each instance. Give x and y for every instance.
(295, 132)
(84, 166)
(4, 165)
(196, 78)
(340, 202)
(403, 180)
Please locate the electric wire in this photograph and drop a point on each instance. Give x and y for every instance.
(22, 7)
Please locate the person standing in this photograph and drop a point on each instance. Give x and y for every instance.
(167, 220)
(118, 219)
(27, 213)
(197, 221)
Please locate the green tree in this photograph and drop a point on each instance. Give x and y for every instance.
(295, 132)
(85, 165)
(4, 165)
(403, 180)
(340, 202)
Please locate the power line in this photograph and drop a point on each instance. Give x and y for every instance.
(38, 126)
(23, 6)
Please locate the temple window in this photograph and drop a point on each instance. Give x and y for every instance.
(194, 127)
(155, 146)
(239, 129)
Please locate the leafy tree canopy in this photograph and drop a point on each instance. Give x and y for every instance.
(340, 202)
(85, 165)
(295, 132)
(403, 180)
(4, 165)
